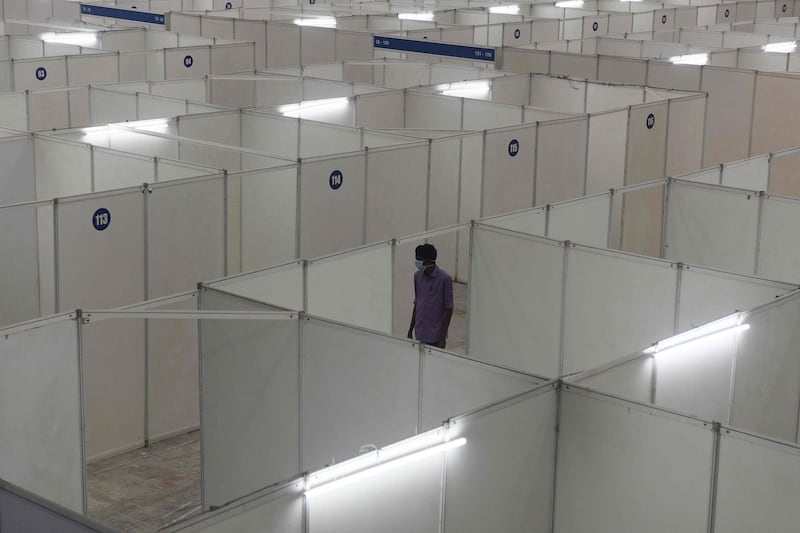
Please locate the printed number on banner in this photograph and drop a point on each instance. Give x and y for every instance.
(41, 73)
(335, 179)
(651, 121)
(595, 25)
(188, 61)
(101, 219)
(513, 148)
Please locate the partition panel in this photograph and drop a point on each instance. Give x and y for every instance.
(751, 174)
(41, 445)
(323, 139)
(118, 170)
(531, 221)
(573, 65)
(668, 75)
(508, 174)
(17, 176)
(550, 93)
(685, 135)
(359, 388)
(757, 484)
(13, 109)
(62, 169)
(503, 477)
(606, 152)
(262, 410)
(647, 143)
(92, 69)
(712, 227)
(280, 286)
(271, 135)
(353, 46)
(269, 217)
(452, 385)
(600, 97)
(48, 110)
(773, 125)
(615, 304)
(513, 90)
(561, 160)
(20, 282)
(783, 173)
(484, 115)
(766, 387)
(40, 73)
(223, 128)
(728, 134)
(100, 250)
(353, 288)
(436, 112)
(283, 45)
(648, 468)
(181, 63)
(632, 380)
(779, 246)
(514, 321)
(332, 210)
(383, 110)
(185, 235)
(108, 106)
(584, 221)
(318, 45)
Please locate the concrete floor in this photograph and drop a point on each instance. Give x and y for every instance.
(150, 488)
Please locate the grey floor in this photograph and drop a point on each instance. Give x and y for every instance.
(150, 488)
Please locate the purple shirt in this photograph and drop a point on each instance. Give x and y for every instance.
(432, 295)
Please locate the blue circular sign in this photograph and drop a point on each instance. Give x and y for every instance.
(335, 179)
(595, 25)
(228, 5)
(101, 219)
(41, 73)
(663, 19)
(783, 8)
(651, 121)
(727, 13)
(188, 61)
(513, 148)
(517, 33)
(312, 2)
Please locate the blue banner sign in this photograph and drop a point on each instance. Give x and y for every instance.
(123, 14)
(435, 48)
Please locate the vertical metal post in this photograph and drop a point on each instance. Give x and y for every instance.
(666, 142)
(305, 285)
(91, 168)
(393, 275)
(665, 218)
(565, 278)
(298, 207)
(146, 191)
(56, 284)
(420, 388)
(558, 392)
(471, 274)
(428, 190)
(752, 114)
(759, 229)
(200, 291)
(301, 320)
(712, 498)
(535, 163)
(678, 283)
(483, 174)
(366, 196)
(611, 196)
(82, 410)
(770, 157)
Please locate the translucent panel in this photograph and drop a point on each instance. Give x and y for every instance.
(582, 221)
(332, 193)
(193, 247)
(40, 406)
(62, 169)
(606, 158)
(452, 385)
(601, 324)
(508, 174)
(647, 468)
(633, 380)
(262, 410)
(712, 227)
(766, 389)
(515, 306)
(750, 174)
(19, 283)
(353, 288)
(358, 389)
(757, 485)
(727, 134)
(561, 160)
(778, 244)
(397, 184)
(502, 479)
(280, 286)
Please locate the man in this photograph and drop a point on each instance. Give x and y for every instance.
(433, 299)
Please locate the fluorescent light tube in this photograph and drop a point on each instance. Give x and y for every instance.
(784, 48)
(156, 124)
(727, 325)
(383, 467)
(75, 38)
(426, 17)
(690, 59)
(295, 110)
(320, 22)
(465, 89)
(570, 3)
(511, 9)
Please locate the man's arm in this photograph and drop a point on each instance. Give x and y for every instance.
(413, 321)
(448, 314)
(448, 303)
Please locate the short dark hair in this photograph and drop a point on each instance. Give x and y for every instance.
(426, 252)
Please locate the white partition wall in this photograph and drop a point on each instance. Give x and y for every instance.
(26, 277)
(281, 286)
(41, 410)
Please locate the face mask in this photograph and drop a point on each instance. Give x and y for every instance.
(419, 265)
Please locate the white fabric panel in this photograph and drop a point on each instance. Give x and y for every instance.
(399, 76)
(606, 97)
(318, 45)
(711, 175)
(615, 440)
(92, 69)
(186, 235)
(62, 169)
(380, 110)
(642, 221)
(779, 248)
(773, 125)
(114, 386)
(253, 31)
(783, 173)
(40, 409)
(151, 107)
(235, 93)
(280, 286)
(171, 170)
(269, 217)
(573, 29)
(583, 221)
(727, 134)
(758, 60)
(519, 60)
(396, 187)
(28, 76)
(231, 58)
(483, 115)
(13, 110)
(331, 219)
(551, 93)
(322, 139)
(222, 128)
(262, 410)
(530, 221)
(19, 283)
(358, 388)
(618, 48)
(632, 307)
(116, 170)
(107, 106)
(514, 321)
(283, 45)
(712, 227)
(400, 500)
(591, 30)
(561, 160)
(277, 136)
(424, 111)
(444, 181)
(452, 385)
(216, 27)
(136, 143)
(180, 63)
(756, 485)
(606, 158)
(668, 75)
(79, 111)
(573, 65)
(48, 110)
(17, 172)
(45, 240)
(509, 163)
(619, 70)
(469, 208)
(502, 479)
(101, 269)
(647, 143)
(630, 381)
(685, 135)
(750, 174)
(353, 288)
(352, 46)
(511, 90)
